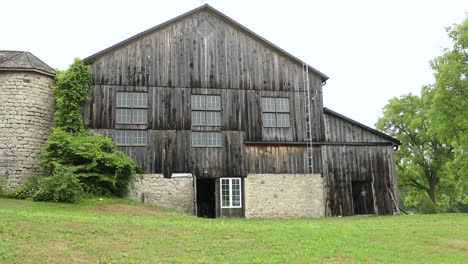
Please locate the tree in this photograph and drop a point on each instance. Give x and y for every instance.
(449, 109)
(433, 129)
(421, 159)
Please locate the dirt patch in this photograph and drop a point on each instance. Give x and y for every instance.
(458, 244)
(125, 209)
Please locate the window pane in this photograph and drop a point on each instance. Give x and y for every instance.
(198, 102)
(122, 137)
(198, 118)
(225, 193)
(140, 137)
(124, 99)
(213, 102)
(213, 118)
(139, 116)
(124, 116)
(140, 100)
(213, 139)
(269, 120)
(282, 105)
(198, 139)
(268, 104)
(236, 194)
(283, 120)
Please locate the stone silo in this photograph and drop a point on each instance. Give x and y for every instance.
(26, 111)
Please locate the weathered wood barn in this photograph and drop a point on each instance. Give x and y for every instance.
(226, 124)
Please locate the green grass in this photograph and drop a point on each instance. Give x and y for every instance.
(122, 231)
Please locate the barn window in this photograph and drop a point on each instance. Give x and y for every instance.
(230, 193)
(205, 28)
(275, 112)
(132, 108)
(206, 110)
(206, 139)
(131, 137)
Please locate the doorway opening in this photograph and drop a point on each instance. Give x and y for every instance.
(206, 201)
(363, 198)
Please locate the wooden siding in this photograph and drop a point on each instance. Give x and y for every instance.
(176, 61)
(179, 56)
(181, 62)
(340, 130)
(344, 164)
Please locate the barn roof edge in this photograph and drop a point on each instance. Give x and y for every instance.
(90, 59)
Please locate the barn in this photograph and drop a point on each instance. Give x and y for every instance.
(226, 124)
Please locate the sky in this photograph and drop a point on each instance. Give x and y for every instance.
(371, 50)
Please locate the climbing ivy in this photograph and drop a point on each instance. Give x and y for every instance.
(71, 91)
(72, 155)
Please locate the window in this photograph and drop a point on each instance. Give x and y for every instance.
(132, 108)
(275, 112)
(206, 110)
(206, 139)
(231, 193)
(131, 137)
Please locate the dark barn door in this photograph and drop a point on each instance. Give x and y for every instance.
(363, 200)
(206, 202)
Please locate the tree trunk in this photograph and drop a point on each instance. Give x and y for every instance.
(431, 192)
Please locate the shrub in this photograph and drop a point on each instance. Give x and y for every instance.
(62, 186)
(101, 169)
(26, 190)
(428, 207)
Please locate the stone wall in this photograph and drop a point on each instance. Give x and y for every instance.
(284, 195)
(176, 193)
(26, 111)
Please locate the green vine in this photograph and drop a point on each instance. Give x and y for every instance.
(71, 154)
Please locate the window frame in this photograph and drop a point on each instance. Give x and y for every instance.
(205, 110)
(132, 136)
(230, 184)
(205, 139)
(132, 108)
(275, 111)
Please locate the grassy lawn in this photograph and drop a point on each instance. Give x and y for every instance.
(122, 231)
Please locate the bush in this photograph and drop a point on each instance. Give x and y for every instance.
(26, 190)
(428, 207)
(62, 186)
(101, 169)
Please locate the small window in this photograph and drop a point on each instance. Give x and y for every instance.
(206, 139)
(131, 137)
(132, 108)
(206, 110)
(230, 193)
(205, 28)
(275, 112)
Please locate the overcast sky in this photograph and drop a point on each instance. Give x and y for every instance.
(371, 50)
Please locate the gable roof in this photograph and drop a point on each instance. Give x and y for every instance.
(23, 61)
(206, 7)
(356, 123)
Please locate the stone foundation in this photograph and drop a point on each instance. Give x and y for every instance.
(26, 111)
(175, 193)
(284, 195)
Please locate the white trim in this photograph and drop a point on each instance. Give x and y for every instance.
(181, 175)
(230, 180)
